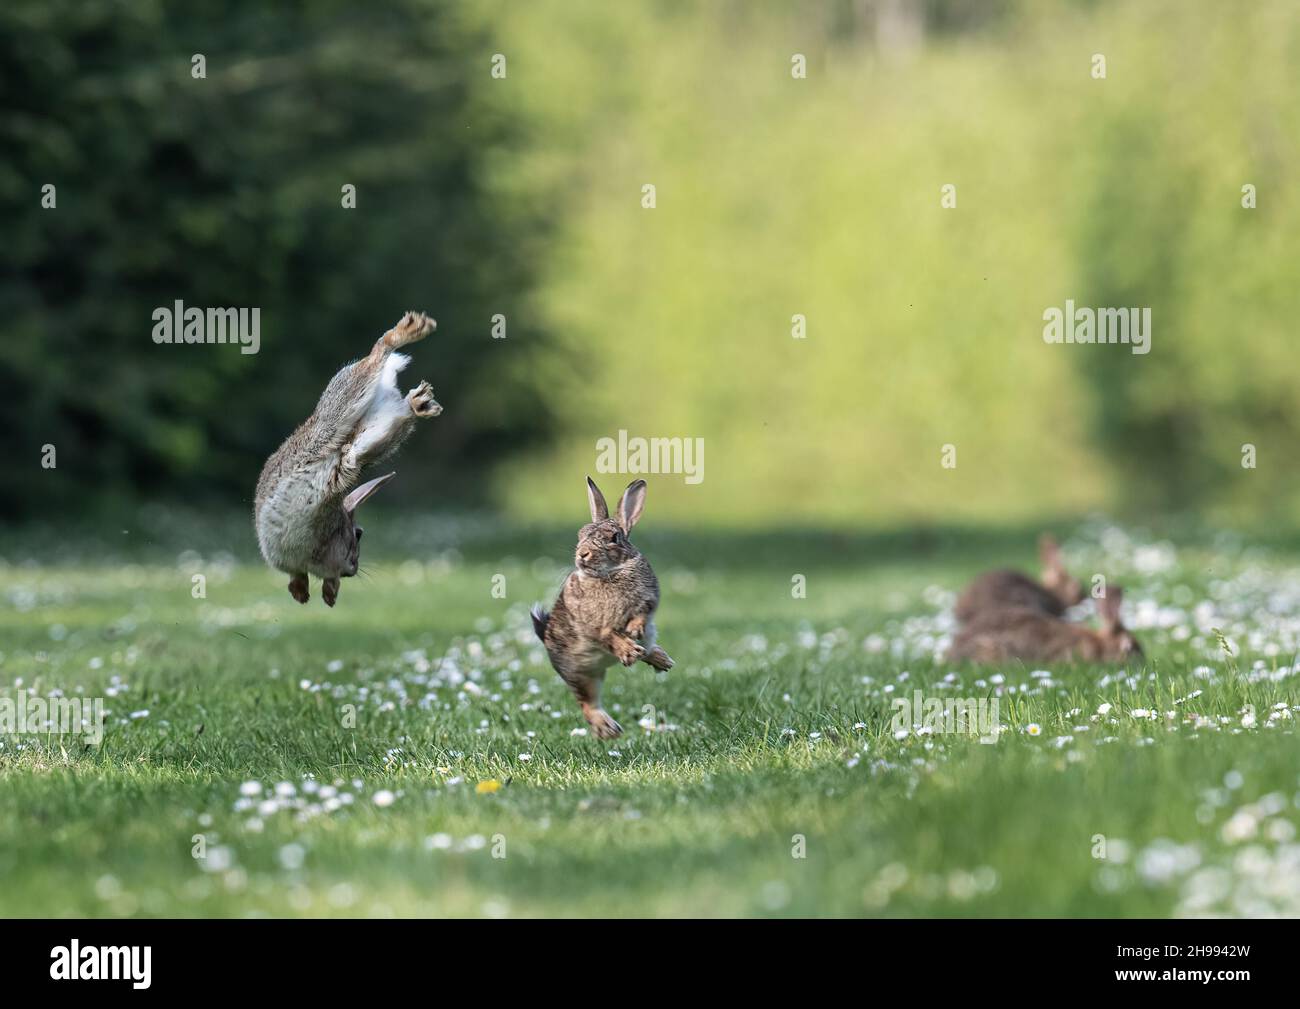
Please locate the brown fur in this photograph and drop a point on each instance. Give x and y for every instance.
(995, 590)
(307, 497)
(605, 611)
(1021, 632)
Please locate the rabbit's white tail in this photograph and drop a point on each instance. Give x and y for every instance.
(540, 617)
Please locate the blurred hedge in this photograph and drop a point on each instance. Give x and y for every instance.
(228, 191)
(776, 197)
(821, 196)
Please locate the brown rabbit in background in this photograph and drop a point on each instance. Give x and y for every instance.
(305, 506)
(1020, 632)
(606, 608)
(997, 589)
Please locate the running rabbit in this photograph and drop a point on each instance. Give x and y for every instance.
(996, 589)
(307, 495)
(606, 609)
(1020, 632)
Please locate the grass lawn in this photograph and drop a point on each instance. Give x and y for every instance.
(378, 758)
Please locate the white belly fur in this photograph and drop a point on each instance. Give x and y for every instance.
(287, 524)
(388, 408)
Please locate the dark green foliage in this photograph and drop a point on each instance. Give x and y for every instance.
(226, 191)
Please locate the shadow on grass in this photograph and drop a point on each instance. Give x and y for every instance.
(158, 535)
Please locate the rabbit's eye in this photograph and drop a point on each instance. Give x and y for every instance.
(613, 537)
(359, 532)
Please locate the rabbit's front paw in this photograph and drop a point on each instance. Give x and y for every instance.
(298, 588)
(329, 591)
(601, 724)
(422, 402)
(412, 327)
(627, 651)
(636, 627)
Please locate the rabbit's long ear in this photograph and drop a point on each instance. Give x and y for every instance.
(599, 510)
(631, 505)
(1108, 606)
(1049, 553)
(353, 500)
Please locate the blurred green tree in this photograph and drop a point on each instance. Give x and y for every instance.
(820, 195)
(227, 190)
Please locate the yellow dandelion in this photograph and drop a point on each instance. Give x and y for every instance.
(487, 787)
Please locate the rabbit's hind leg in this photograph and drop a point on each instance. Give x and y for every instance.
(601, 723)
(658, 658)
(410, 328)
(298, 587)
(586, 689)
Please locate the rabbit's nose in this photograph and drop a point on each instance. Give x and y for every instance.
(584, 554)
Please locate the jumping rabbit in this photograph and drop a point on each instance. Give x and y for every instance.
(307, 496)
(998, 589)
(1020, 632)
(606, 609)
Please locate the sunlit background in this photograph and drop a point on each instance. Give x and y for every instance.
(363, 760)
(775, 196)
